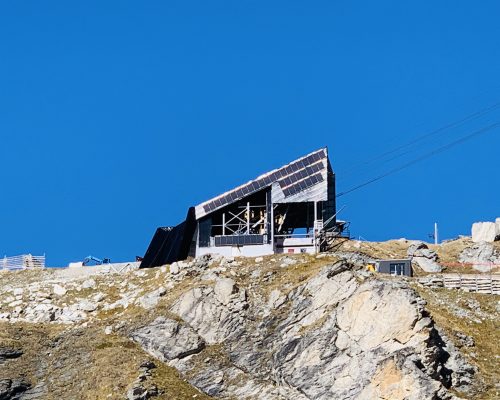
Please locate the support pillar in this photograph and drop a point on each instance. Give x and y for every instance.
(315, 227)
(248, 218)
(272, 226)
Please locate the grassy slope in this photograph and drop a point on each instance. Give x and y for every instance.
(84, 363)
(447, 308)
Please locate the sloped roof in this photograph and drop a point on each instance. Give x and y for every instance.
(301, 175)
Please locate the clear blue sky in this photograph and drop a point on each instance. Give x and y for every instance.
(116, 116)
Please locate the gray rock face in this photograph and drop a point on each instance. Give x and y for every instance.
(167, 340)
(481, 256)
(337, 336)
(7, 353)
(12, 389)
(150, 300)
(214, 313)
(224, 288)
(424, 257)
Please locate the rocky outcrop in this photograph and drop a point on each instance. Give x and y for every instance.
(141, 389)
(424, 257)
(279, 327)
(338, 335)
(13, 389)
(8, 353)
(486, 231)
(481, 255)
(167, 339)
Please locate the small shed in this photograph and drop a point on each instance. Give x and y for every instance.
(395, 267)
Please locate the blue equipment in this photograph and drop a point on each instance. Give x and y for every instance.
(97, 261)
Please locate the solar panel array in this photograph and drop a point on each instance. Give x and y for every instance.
(238, 240)
(292, 178)
(303, 185)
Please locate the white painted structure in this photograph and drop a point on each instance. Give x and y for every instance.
(24, 261)
(254, 219)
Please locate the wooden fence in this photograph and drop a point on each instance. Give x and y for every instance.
(479, 283)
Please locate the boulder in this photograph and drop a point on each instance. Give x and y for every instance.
(174, 268)
(168, 340)
(59, 290)
(287, 261)
(481, 255)
(89, 284)
(43, 312)
(427, 265)
(484, 232)
(87, 305)
(424, 257)
(150, 300)
(71, 314)
(224, 288)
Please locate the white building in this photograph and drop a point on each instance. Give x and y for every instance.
(288, 210)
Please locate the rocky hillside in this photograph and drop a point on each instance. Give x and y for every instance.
(278, 327)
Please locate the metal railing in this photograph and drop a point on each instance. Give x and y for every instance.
(24, 261)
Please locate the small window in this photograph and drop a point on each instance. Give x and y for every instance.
(397, 268)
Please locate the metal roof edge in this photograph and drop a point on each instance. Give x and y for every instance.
(325, 149)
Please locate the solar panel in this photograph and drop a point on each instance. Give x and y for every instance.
(303, 185)
(292, 178)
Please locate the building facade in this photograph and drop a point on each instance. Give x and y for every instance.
(288, 210)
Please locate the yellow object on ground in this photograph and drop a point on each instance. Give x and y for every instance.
(370, 267)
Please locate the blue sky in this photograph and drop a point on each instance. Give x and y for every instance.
(117, 116)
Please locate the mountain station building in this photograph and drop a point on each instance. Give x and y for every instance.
(288, 210)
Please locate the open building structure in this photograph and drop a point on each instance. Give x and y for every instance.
(291, 209)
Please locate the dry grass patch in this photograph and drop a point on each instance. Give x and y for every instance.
(381, 250)
(482, 324)
(84, 363)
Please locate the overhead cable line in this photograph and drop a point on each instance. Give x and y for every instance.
(421, 138)
(423, 157)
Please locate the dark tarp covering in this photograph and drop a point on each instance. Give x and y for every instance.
(170, 244)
